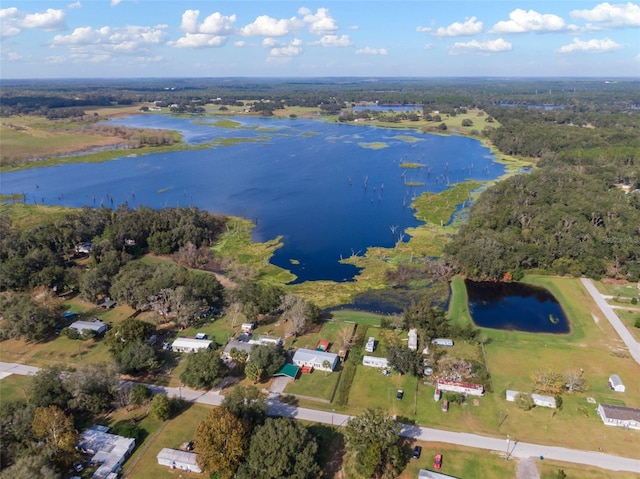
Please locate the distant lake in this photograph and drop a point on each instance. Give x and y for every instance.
(515, 306)
(301, 179)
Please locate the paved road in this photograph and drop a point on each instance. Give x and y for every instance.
(516, 448)
(7, 369)
(612, 317)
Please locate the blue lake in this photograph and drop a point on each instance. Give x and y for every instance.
(303, 180)
(515, 306)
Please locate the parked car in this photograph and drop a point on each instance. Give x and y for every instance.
(78, 467)
(399, 394)
(437, 461)
(417, 451)
(190, 446)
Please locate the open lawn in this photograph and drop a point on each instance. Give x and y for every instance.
(461, 462)
(629, 318)
(319, 384)
(173, 434)
(14, 388)
(549, 470)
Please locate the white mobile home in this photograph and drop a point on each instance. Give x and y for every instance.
(94, 325)
(314, 359)
(374, 362)
(619, 416)
(247, 327)
(461, 387)
(413, 339)
(538, 399)
(175, 459)
(190, 345)
(108, 450)
(616, 383)
(442, 342)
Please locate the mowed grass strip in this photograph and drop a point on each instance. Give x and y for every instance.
(462, 462)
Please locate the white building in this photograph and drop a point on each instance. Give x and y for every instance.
(239, 345)
(371, 345)
(314, 359)
(266, 341)
(374, 362)
(247, 327)
(108, 450)
(413, 339)
(94, 325)
(181, 460)
(190, 345)
(619, 416)
(538, 399)
(460, 387)
(616, 383)
(442, 341)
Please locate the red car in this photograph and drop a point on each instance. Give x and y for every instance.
(437, 461)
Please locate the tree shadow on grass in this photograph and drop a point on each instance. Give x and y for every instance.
(331, 448)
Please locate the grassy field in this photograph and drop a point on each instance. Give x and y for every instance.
(14, 388)
(173, 434)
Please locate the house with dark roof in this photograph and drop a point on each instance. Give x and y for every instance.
(620, 416)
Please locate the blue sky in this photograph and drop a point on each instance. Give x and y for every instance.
(279, 38)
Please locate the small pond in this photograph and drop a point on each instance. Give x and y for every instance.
(515, 306)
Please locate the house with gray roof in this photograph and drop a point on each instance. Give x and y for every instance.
(315, 359)
(620, 416)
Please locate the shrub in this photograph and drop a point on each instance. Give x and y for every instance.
(634, 300)
(637, 323)
(525, 401)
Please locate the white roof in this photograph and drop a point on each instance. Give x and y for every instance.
(191, 343)
(95, 325)
(109, 450)
(310, 354)
(180, 458)
(615, 380)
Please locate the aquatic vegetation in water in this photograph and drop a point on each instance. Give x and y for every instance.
(376, 145)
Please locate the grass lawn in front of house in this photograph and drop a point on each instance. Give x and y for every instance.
(14, 388)
(172, 434)
(629, 319)
(318, 384)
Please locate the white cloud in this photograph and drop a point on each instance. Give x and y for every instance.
(591, 46)
(424, 29)
(267, 26)
(73, 5)
(199, 40)
(490, 46)
(371, 51)
(240, 44)
(269, 42)
(13, 21)
(105, 41)
(606, 15)
(320, 23)
(115, 3)
(471, 26)
(214, 24)
(334, 41)
(428, 46)
(292, 50)
(521, 21)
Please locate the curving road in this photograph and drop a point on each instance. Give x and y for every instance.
(516, 448)
(614, 320)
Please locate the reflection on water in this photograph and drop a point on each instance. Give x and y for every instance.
(515, 306)
(311, 182)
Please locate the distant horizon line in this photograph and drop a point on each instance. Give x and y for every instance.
(326, 77)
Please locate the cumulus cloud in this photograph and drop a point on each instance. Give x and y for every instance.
(13, 21)
(471, 26)
(214, 24)
(371, 51)
(267, 26)
(334, 41)
(424, 29)
(73, 5)
(320, 23)
(606, 15)
(591, 46)
(105, 41)
(490, 46)
(293, 49)
(199, 40)
(269, 42)
(521, 21)
(240, 44)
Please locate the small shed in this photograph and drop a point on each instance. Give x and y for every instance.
(375, 362)
(442, 342)
(511, 395)
(616, 383)
(371, 345)
(288, 370)
(247, 327)
(322, 345)
(190, 345)
(176, 459)
(543, 401)
(315, 359)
